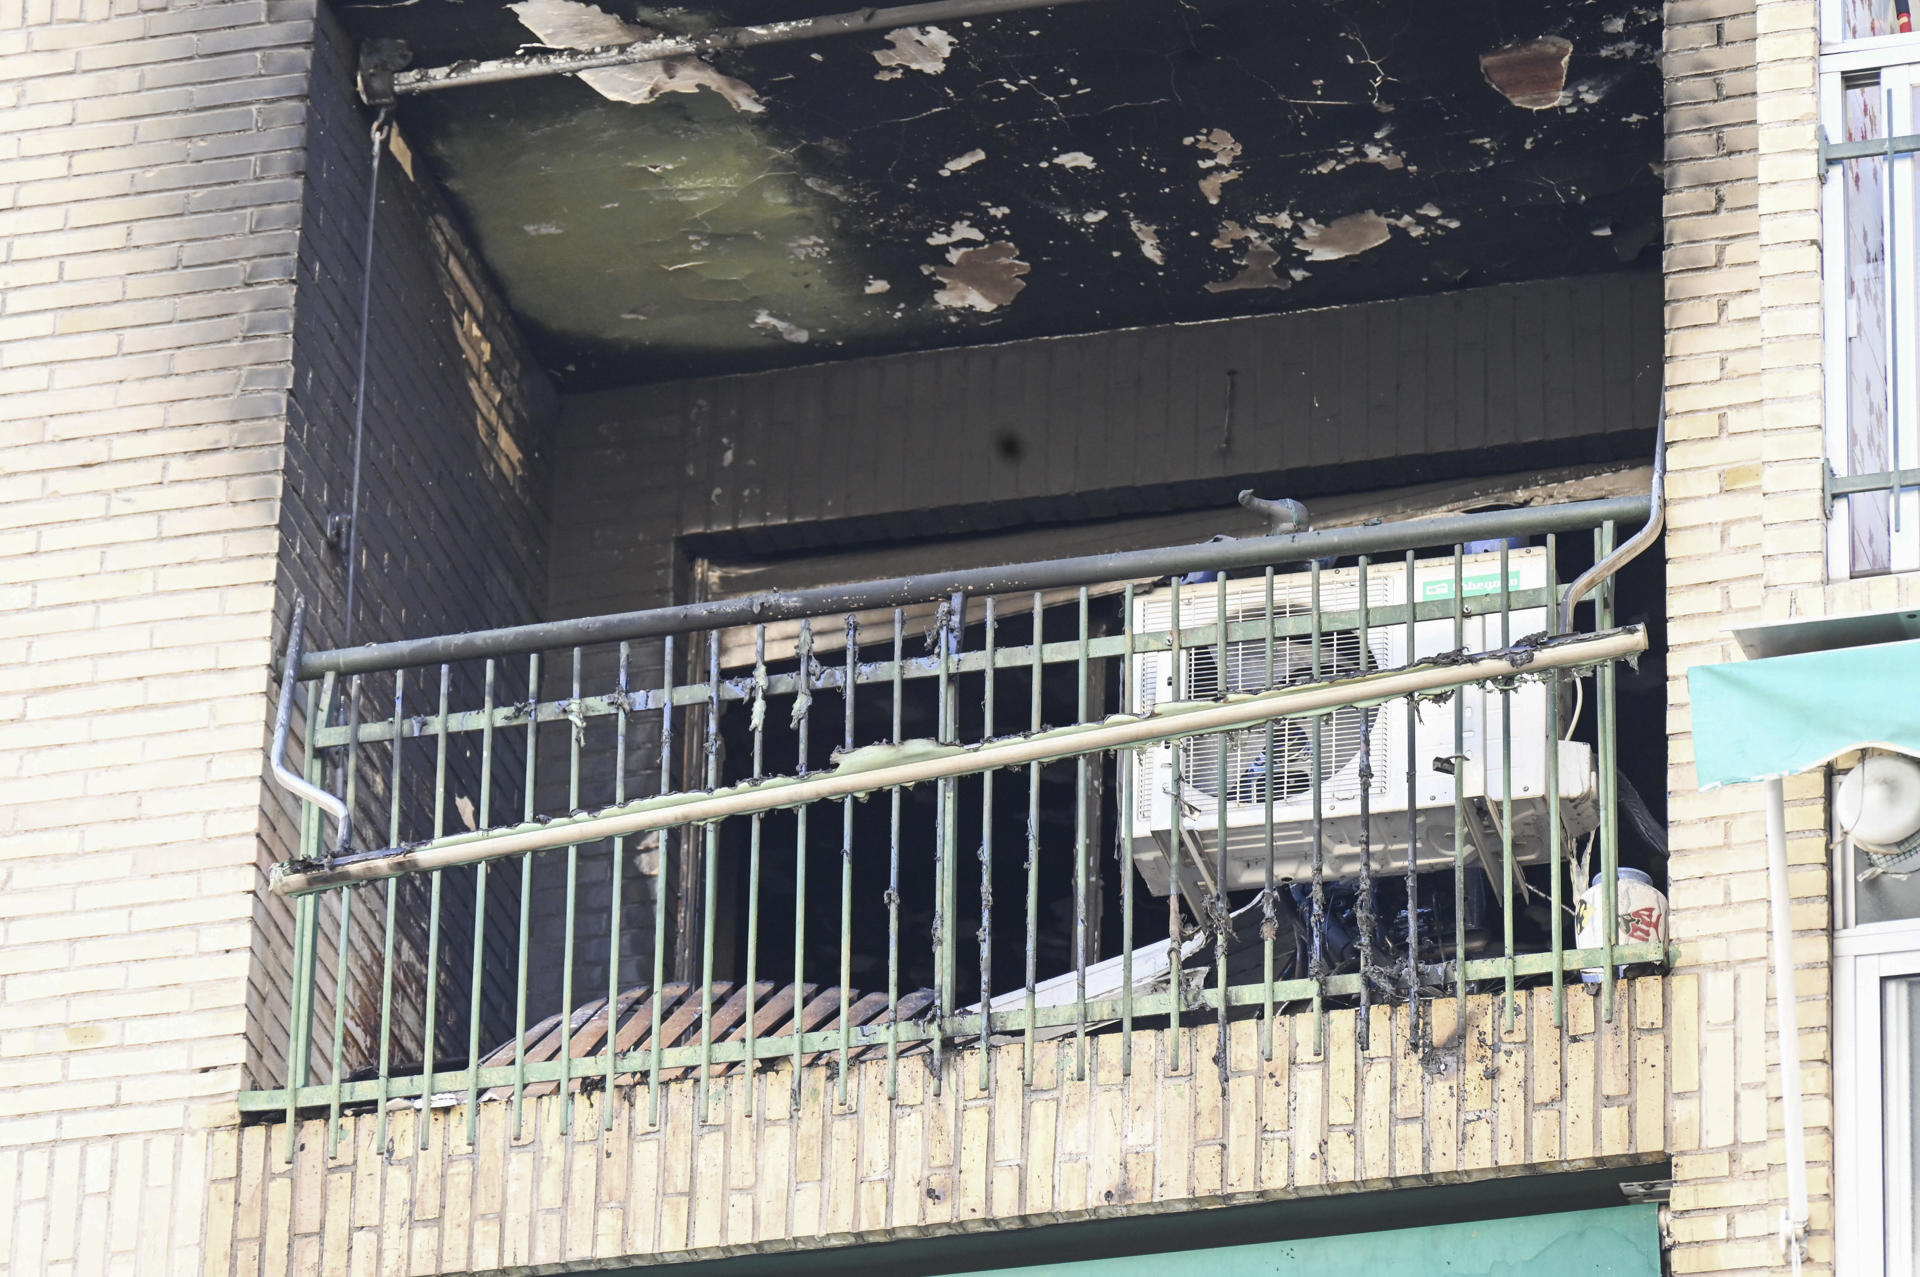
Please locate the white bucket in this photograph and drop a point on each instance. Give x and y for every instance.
(1640, 915)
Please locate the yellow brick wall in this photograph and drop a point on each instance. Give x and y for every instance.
(1746, 543)
(149, 182)
(1482, 1099)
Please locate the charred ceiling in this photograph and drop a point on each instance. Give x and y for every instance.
(1111, 164)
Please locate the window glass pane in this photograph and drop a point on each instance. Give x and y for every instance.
(1860, 18)
(1866, 325)
(1883, 898)
(1900, 1105)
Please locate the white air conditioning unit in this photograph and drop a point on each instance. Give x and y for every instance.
(1226, 779)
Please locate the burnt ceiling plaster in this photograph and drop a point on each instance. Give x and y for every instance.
(1106, 165)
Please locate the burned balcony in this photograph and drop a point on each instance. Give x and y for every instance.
(907, 819)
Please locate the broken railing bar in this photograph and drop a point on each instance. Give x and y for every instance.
(1091, 569)
(927, 762)
(873, 1036)
(741, 686)
(528, 66)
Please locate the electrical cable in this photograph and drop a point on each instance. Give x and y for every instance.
(378, 133)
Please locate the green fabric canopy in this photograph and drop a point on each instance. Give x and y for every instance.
(1753, 720)
(1615, 1241)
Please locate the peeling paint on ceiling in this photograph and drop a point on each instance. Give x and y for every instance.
(689, 216)
(1531, 74)
(923, 49)
(572, 24)
(982, 279)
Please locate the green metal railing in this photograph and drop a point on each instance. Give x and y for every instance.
(684, 836)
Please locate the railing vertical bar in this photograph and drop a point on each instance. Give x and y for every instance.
(661, 859)
(474, 1015)
(1554, 849)
(1363, 911)
(617, 874)
(1081, 852)
(1413, 818)
(576, 733)
(524, 970)
(1889, 253)
(305, 922)
(803, 708)
(1459, 794)
(1609, 785)
(346, 924)
(986, 857)
(850, 680)
(393, 903)
(944, 843)
(710, 879)
(339, 1019)
(1511, 884)
(1317, 942)
(1176, 869)
(1269, 919)
(1221, 920)
(1033, 845)
(757, 728)
(299, 1012)
(1123, 768)
(943, 836)
(893, 868)
(430, 1017)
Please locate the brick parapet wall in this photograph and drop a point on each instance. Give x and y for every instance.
(1482, 1099)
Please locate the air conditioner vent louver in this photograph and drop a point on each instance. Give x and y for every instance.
(1248, 775)
(1255, 788)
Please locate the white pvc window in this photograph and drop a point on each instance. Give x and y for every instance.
(1869, 86)
(1877, 1069)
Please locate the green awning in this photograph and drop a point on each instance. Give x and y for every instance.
(1616, 1241)
(1753, 720)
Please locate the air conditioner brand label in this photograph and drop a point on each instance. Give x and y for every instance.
(1441, 587)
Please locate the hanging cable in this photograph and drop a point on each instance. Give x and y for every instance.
(379, 137)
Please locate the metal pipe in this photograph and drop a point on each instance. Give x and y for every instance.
(1793, 1224)
(284, 776)
(1630, 549)
(925, 761)
(1090, 569)
(528, 66)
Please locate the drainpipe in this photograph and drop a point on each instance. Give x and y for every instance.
(1630, 549)
(1793, 1223)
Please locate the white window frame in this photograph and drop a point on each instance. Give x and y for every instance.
(1897, 59)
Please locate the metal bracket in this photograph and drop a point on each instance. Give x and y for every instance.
(1832, 152)
(379, 60)
(1834, 486)
(336, 531)
(1647, 1190)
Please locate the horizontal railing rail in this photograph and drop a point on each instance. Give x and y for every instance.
(1020, 578)
(1238, 778)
